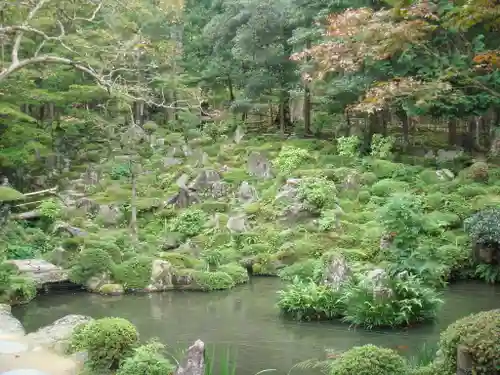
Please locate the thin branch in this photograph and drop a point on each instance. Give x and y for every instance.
(19, 35)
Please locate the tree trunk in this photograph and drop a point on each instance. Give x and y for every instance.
(133, 204)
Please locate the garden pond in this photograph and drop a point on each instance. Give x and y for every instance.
(246, 322)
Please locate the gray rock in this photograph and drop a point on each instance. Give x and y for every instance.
(57, 335)
(247, 193)
(169, 161)
(238, 135)
(194, 362)
(41, 271)
(237, 224)
(337, 272)
(8, 324)
(445, 174)
(259, 166)
(448, 155)
(161, 276)
(376, 280)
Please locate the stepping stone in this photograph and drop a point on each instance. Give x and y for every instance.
(10, 347)
(24, 372)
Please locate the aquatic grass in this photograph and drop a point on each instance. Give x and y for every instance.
(424, 356)
(227, 363)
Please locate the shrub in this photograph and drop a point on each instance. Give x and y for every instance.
(483, 227)
(147, 359)
(134, 273)
(306, 300)
(318, 193)
(290, 159)
(384, 168)
(399, 301)
(402, 218)
(368, 178)
(237, 272)
(368, 360)
(22, 290)
(364, 196)
(429, 177)
(382, 146)
(480, 333)
(107, 341)
(189, 222)
(304, 270)
(478, 172)
(213, 280)
(90, 262)
(387, 187)
(348, 146)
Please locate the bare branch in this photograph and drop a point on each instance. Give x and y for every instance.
(19, 35)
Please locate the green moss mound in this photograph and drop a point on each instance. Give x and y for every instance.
(107, 341)
(480, 334)
(134, 273)
(369, 360)
(147, 359)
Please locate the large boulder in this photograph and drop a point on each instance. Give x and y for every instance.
(57, 336)
(8, 324)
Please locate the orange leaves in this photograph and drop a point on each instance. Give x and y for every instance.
(384, 93)
(356, 35)
(487, 60)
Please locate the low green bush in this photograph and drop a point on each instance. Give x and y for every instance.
(369, 360)
(134, 273)
(237, 272)
(147, 359)
(306, 300)
(108, 341)
(304, 270)
(89, 263)
(480, 334)
(213, 280)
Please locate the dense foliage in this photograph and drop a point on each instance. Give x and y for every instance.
(155, 118)
(108, 341)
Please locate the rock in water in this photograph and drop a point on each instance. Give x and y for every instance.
(337, 272)
(161, 275)
(194, 362)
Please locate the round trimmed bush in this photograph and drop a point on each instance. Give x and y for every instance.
(147, 359)
(108, 341)
(369, 360)
(480, 333)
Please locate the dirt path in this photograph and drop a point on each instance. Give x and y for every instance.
(17, 352)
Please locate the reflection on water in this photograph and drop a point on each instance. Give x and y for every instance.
(247, 320)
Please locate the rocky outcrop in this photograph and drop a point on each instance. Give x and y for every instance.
(41, 271)
(8, 324)
(40, 352)
(57, 335)
(337, 272)
(194, 362)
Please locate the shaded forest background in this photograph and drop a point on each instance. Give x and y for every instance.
(76, 74)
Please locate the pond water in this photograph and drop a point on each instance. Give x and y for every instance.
(246, 321)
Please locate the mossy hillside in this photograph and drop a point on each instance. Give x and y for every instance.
(196, 239)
